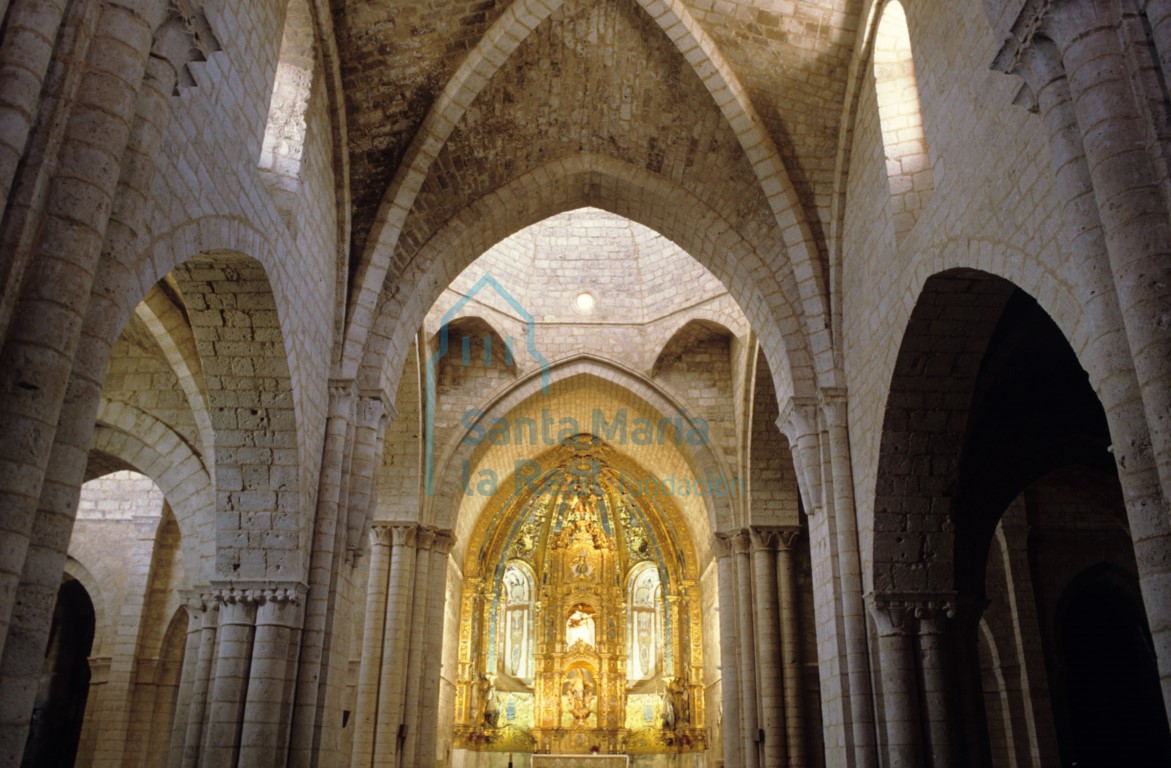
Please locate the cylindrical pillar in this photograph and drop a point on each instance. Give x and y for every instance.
(416, 652)
(834, 417)
(201, 687)
(268, 701)
(38, 352)
(369, 671)
(395, 642)
(791, 649)
(233, 661)
(433, 659)
(938, 697)
(900, 689)
(729, 651)
(768, 667)
(184, 702)
(749, 728)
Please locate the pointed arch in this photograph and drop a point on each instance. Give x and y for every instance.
(478, 69)
(622, 189)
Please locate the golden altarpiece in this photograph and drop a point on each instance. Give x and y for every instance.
(580, 619)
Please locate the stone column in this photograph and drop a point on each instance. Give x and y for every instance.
(264, 733)
(197, 714)
(229, 683)
(900, 690)
(395, 644)
(184, 702)
(42, 339)
(768, 661)
(31, 29)
(416, 650)
(833, 406)
(934, 625)
(1134, 216)
(323, 566)
(433, 658)
(749, 724)
(366, 708)
(374, 411)
(729, 651)
(791, 648)
(1013, 539)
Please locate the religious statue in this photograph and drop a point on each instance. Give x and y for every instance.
(580, 689)
(579, 627)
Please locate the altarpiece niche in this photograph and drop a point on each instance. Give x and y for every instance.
(580, 624)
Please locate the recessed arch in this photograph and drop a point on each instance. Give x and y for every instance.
(687, 333)
(448, 508)
(621, 189)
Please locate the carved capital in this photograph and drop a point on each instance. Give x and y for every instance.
(444, 541)
(381, 535)
(425, 538)
(764, 538)
(722, 544)
(341, 397)
(787, 536)
(893, 615)
(833, 405)
(798, 419)
(403, 535)
(742, 542)
(373, 409)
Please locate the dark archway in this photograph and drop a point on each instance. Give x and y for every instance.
(64, 685)
(1110, 707)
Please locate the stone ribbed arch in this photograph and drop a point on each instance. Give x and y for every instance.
(622, 189)
(155, 450)
(478, 69)
(446, 509)
(173, 336)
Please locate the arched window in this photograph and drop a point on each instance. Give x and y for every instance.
(284, 134)
(908, 167)
(516, 622)
(644, 630)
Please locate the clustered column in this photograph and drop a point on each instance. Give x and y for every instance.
(237, 685)
(398, 681)
(760, 666)
(729, 649)
(915, 638)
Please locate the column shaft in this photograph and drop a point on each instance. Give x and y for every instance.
(416, 651)
(729, 657)
(395, 642)
(900, 689)
(370, 669)
(264, 733)
(791, 652)
(749, 725)
(229, 684)
(768, 666)
(197, 715)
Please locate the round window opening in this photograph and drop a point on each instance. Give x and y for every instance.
(584, 303)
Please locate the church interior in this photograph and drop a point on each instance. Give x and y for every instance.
(585, 383)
